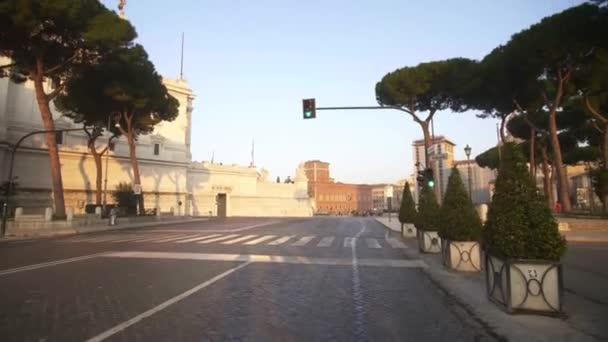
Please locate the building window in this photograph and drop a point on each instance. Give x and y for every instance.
(156, 149)
(59, 138)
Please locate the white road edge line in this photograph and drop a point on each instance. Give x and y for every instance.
(50, 263)
(124, 325)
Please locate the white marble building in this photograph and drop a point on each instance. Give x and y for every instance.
(170, 180)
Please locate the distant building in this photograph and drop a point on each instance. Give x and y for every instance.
(441, 160)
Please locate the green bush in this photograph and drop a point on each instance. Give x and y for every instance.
(519, 224)
(125, 198)
(407, 211)
(428, 210)
(458, 220)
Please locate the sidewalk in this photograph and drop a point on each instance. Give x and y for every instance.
(469, 290)
(21, 234)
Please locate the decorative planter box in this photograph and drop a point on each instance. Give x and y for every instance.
(461, 255)
(429, 241)
(526, 286)
(409, 230)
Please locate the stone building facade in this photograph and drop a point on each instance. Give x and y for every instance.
(171, 181)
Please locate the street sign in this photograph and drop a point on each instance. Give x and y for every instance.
(137, 189)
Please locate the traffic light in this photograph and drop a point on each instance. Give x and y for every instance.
(425, 178)
(309, 109)
(429, 180)
(420, 178)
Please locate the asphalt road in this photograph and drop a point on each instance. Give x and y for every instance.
(318, 279)
(585, 268)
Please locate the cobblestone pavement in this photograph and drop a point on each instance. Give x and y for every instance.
(318, 279)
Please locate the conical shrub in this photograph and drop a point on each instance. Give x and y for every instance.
(458, 220)
(428, 210)
(519, 223)
(407, 211)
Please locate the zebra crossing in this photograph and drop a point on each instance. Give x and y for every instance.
(243, 240)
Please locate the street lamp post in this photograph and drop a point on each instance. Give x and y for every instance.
(9, 186)
(467, 151)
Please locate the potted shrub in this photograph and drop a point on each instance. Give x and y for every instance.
(459, 227)
(427, 222)
(522, 243)
(407, 213)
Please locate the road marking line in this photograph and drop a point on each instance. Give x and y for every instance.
(360, 326)
(372, 243)
(395, 243)
(277, 259)
(227, 237)
(303, 241)
(349, 242)
(198, 238)
(149, 239)
(95, 239)
(281, 240)
(326, 241)
(260, 239)
(239, 239)
(129, 238)
(124, 325)
(176, 238)
(50, 263)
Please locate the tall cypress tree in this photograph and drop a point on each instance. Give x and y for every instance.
(407, 211)
(428, 210)
(458, 220)
(520, 225)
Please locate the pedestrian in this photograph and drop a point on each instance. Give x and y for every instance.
(558, 207)
(113, 214)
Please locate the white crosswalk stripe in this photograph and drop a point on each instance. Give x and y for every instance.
(349, 242)
(281, 240)
(372, 243)
(176, 238)
(326, 241)
(303, 241)
(198, 238)
(227, 237)
(126, 238)
(150, 239)
(260, 239)
(99, 238)
(395, 243)
(239, 239)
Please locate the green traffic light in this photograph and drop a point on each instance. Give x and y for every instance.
(308, 114)
(431, 184)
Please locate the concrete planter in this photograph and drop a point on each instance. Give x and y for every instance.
(409, 230)
(525, 285)
(429, 241)
(461, 255)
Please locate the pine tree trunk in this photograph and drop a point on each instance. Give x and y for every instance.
(98, 172)
(605, 166)
(49, 125)
(547, 189)
(428, 164)
(532, 156)
(557, 151)
(135, 167)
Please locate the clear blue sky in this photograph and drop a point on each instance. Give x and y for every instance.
(250, 62)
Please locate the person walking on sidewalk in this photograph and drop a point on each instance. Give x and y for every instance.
(113, 214)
